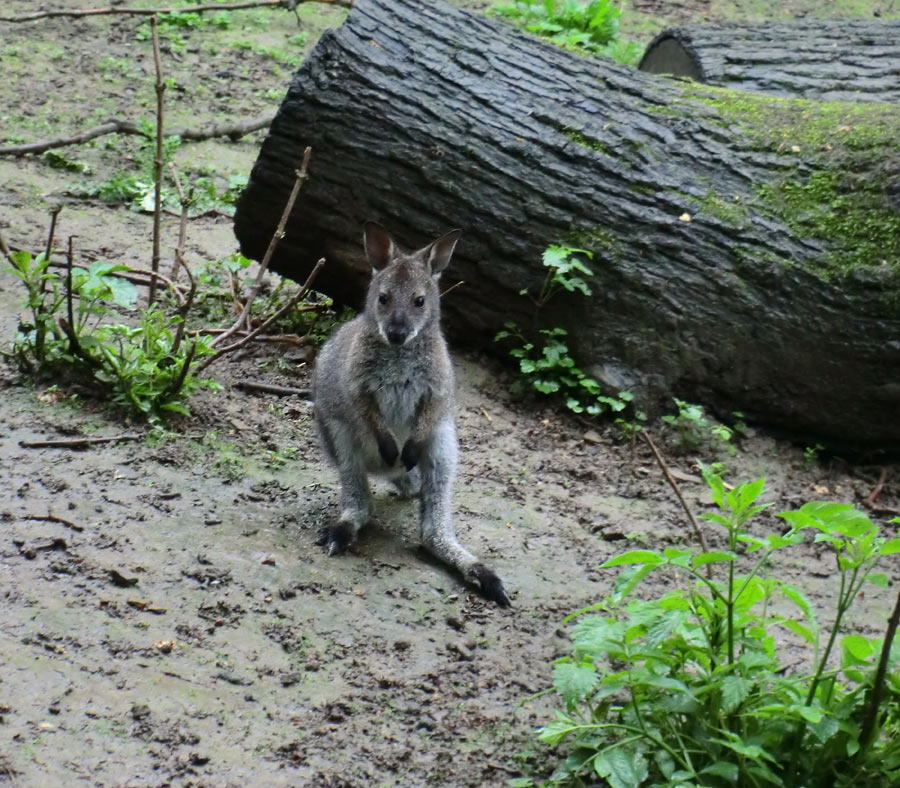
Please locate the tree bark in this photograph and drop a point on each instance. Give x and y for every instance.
(743, 248)
(829, 60)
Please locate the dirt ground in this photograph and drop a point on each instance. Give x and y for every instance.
(173, 623)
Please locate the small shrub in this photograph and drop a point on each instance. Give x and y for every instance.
(146, 367)
(693, 430)
(687, 688)
(548, 368)
(591, 27)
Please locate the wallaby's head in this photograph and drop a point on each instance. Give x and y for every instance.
(403, 296)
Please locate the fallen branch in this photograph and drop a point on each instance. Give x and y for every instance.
(193, 9)
(869, 502)
(264, 325)
(234, 131)
(270, 388)
(52, 518)
(242, 320)
(77, 443)
(660, 461)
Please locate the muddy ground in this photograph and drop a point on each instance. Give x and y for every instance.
(173, 623)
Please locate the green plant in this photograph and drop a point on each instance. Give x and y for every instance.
(145, 367)
(811, 454)
(586, 26)
(549, 368)
(688, 689)
(692, 429)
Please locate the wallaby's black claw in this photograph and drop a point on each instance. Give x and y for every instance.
(387, 448)
(336, 538)
(412, 450)
(491, 586)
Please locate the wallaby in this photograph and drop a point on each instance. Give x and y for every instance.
(384, 402)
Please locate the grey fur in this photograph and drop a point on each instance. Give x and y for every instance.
(384, 402)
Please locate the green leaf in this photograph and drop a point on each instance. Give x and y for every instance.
(890, 547)
(724, 769)
(713, 557)
(735, 690)
(574, 682)
(556, 731)
(857, 649)
(634, 557)
(620, 768)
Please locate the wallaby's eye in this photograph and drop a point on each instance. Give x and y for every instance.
(383, 298)
(419, 301)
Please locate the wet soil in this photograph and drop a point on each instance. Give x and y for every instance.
(165, 616)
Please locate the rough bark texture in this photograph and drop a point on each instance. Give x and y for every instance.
(840, 59)
(708, 284)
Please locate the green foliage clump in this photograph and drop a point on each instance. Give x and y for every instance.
(687, 688)
(146, 367)
(591, 27)
(692, 429)
(549, 368)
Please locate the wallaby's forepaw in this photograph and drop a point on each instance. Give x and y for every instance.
(387, 448)
(491, 586)
(336, 538)
(412, 450)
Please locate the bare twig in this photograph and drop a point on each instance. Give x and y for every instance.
(77, 443)
(273, 244)
(52, 518)
(158, 161)
(175, 386)
(870, 718)
(869, 502)
(185, 306)
(698, 532)
(54, 214)
(4, 247)
(234, 131)
(194, 9)
(74, 345)
(452, 287)
(269, 388)
(182, 224)
(263, 326)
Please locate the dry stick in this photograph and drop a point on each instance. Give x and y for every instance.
(184, 307)
(76, 443)
(871, 713)
(52, 518)
(273, 244)
(53, 216)
(234, 131)
(263, 326)
(674, 485)
(157, 162)
(196, 9)
(869, 502)
(182, 226)
(4, 247)
(270, 388)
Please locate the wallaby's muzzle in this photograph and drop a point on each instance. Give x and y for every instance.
(397, 330)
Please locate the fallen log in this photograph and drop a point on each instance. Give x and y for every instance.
(829, 60)
(746, 248)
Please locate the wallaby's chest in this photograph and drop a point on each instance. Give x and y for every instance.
(400, 399)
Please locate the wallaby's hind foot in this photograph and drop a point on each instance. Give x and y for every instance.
(489, 584)
(337, 538)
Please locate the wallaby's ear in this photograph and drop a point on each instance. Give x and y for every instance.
(380, 247)
(437, 256)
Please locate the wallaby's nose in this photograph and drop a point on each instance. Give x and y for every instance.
(397, 334)
(397, 329)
